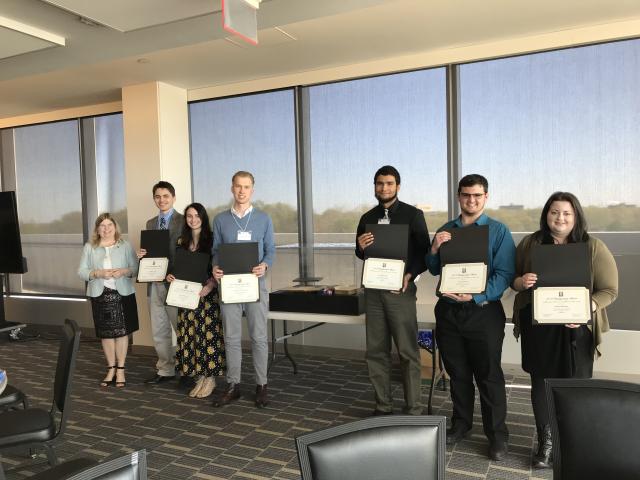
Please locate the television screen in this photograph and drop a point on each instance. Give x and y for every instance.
(10, 245)
(132, 466)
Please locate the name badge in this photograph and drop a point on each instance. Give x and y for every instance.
(244, 236)
(383, 221)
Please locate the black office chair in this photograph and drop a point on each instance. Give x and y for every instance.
(11, 397)
(34, 427)
(132, 466)
(378, 448)
(595, 426)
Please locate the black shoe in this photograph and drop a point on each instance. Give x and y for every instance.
(231, 394)
(261, 396)
(159, 379)
(186, 383)
(498, 450)
(542, 458)
(379, 413)
(457, 433)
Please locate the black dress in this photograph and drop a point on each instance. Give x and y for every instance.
(555, 351)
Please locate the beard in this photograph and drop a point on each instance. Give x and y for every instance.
(391, 199)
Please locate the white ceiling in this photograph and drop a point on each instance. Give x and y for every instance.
(187, 47)
(129, 15)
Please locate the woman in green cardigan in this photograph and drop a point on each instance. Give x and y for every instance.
(560, 351)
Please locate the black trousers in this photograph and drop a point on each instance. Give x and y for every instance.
(470, 339)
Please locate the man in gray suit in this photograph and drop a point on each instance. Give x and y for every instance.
(163, 317)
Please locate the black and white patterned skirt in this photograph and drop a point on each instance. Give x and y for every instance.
(114, 315)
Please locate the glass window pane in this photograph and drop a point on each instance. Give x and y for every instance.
(358, 126)
(111, 184)
(254, 133)
(563, 120)
(49, 207)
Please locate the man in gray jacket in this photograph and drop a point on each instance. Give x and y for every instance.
(163, 317)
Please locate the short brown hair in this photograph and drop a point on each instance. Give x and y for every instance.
(95, 238)
(242, 173)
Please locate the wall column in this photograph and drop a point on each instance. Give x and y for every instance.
(156, 147)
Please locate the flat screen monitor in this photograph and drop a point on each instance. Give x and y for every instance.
(10, 245)
(132, 466)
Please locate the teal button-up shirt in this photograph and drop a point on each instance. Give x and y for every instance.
(502, 258)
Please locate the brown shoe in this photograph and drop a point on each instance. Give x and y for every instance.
(261, 396)
(231, 394)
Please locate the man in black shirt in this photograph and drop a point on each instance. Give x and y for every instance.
(392, 314)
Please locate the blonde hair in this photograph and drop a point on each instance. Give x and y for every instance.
(95, 237)
(242, 173)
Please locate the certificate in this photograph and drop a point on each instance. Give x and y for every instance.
(152, 269)
(184, 294)
(463, 278)
(383, 274)
(553, 305)
(239, 288)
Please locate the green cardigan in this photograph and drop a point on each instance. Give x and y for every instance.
(604, 284)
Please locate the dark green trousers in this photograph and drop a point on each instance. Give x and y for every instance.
(393, 316)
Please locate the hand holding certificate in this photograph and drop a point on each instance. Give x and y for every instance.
(152, 269)
(239, 288)
(385, 262)
(563, 305)
(237, 285)
(463, 278)
(464, 260)
(184, 294)
(383, 273)
(153, 266)
(562, 293)
(190, 271)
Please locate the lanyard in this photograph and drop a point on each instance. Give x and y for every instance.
(238, 223)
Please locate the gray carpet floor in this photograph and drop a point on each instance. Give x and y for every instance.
(189, 439)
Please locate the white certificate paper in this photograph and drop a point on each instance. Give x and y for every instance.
(463, 278)
(560, 305)
(184, 294)
(239, 288)
(383, 274)
(152, 269)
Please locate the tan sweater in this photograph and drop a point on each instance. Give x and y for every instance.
(604, 284)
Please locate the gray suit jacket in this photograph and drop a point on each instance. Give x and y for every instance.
(175, 229)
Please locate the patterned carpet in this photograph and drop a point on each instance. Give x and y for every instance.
(188, 439)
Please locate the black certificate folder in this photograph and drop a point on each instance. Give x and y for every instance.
(562, 265)
(467, 245)
(156, 243)
(238, 257)
(389, 241)
(191, 266)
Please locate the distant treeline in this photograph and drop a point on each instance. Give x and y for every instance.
(339, 220)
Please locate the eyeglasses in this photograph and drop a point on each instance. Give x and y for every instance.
(467, 196)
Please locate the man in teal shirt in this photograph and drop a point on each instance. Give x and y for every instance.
(470, 328)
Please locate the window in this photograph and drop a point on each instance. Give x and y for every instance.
(355, 128)
(47, 162)
(111, 185)
(563, 120)
(254, 133)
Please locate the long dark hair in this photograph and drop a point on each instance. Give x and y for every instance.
(579, 232)
(205, 242)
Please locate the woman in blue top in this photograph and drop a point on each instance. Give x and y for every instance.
(108, 264)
